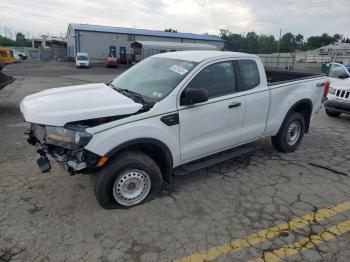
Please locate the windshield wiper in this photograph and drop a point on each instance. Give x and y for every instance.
(135, 94)
(129, 93)
(110, 84)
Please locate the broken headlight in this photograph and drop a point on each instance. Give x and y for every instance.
(67, 138)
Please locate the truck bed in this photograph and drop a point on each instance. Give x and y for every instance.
(275, 77)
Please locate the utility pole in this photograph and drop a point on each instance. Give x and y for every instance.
(278, 49)
(279, 41)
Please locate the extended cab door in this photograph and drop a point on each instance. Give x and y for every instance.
(211, 126)
(253, 86)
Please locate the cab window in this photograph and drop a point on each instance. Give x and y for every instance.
(249, 74)
(218, 79)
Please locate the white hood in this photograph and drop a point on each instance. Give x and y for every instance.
(342, 84)
(58, 106)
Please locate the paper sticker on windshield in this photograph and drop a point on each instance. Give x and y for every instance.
(178, 69)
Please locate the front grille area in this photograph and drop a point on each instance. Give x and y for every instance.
(343, 94)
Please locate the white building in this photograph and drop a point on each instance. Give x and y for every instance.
(337, 49)
(102, 41)
(143, 49)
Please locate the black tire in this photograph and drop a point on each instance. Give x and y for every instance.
(281, 141)
(332, 113)
(118, 166)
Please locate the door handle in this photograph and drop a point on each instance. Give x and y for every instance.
(235, 104)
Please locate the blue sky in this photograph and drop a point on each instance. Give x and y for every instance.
(196, 16)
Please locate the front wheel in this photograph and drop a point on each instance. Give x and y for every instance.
(332, 113)
(291, 133)
(129, 179)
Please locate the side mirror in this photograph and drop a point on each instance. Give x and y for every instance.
(343, 76)
(194, 96)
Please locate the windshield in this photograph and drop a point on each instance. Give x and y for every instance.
(336, 71)
(82, 58)
(154, 77)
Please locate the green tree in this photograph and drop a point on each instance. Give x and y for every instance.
(345, 40)
(288, 43)
(20, 39)
(326, 39)
(251, 43)
(233, 42)
(314, 42)
(267, 44)
(299, 39)
(4, 41)
(338, 37)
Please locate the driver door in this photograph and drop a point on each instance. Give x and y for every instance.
(206, 128)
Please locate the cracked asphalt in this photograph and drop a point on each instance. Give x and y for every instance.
(266, 206)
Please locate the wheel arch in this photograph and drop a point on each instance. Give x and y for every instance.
(156, 149)
(304, 107)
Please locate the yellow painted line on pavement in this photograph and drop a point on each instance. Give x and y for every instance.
(305, 243)
(256, 238)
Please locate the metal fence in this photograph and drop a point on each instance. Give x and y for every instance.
(278, 61)
(310, 58)
(288, 61)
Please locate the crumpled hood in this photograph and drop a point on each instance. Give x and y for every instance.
(58, 106)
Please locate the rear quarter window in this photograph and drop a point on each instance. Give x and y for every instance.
(249, 74)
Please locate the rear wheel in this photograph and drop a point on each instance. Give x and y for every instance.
(291, 133)
(332, 113)
(129, 179)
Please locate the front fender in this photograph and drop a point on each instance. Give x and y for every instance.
(103, 142)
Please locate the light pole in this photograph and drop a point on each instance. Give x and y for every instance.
(279, 41)
(278, 48)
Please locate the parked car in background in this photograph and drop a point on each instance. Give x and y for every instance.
(170, 114)
(21, 54)
(17, 58)
(82, 60)
(111, 62)
(338, 98)
(6, 57)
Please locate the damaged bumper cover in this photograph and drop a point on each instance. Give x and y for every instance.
(75, 158)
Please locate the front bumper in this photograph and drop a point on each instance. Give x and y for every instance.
(83, 65)
(74, 160)
(337, 106)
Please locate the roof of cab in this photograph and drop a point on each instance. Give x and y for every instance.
(199, 56)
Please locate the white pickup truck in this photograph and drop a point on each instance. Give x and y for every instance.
(172, 113)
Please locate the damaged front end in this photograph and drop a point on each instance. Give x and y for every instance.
(64, 144)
